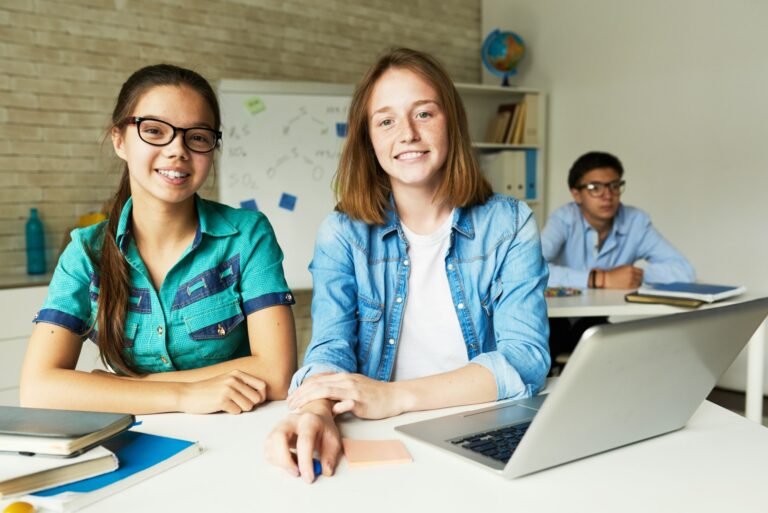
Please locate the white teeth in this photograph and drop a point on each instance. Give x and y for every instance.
(172, 174)
(410, 155)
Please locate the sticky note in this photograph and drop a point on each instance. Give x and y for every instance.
(370, 453)
(287, 201)
(255, 105)
(341, 129)
(249, 205)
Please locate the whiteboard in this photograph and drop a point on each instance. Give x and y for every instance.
(280, 149)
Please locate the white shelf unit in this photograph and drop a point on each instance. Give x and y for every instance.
(481, 103)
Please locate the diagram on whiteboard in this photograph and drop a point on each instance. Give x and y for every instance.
(279, 156)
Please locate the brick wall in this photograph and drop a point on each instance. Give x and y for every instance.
(62, 63)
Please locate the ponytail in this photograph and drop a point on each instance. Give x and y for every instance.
(113, 273)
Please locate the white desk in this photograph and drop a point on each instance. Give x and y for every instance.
(718, 463)
(611, 303)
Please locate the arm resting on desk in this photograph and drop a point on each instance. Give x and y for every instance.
(49, 380)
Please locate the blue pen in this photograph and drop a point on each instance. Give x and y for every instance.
(317, 467)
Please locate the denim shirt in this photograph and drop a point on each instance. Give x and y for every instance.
(570, 246)
(496, 274)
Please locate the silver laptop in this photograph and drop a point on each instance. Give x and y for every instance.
(624, 383)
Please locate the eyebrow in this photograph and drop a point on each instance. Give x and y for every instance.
(196, 124)
(417, 103)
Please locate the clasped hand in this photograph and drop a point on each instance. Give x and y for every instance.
(365, 397)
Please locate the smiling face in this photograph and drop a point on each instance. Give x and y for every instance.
(408, 130)
(173, 173)
(601, 209)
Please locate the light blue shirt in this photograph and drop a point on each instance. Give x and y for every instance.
(496, 275)
(570, 246)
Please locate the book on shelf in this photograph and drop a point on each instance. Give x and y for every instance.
(515, 134)
(499, 125)
(141, 455)
(507, 138)
(506, 114)
(634, 297)
(21, 474)
(57, 432)
(531, 129)
(705, 292)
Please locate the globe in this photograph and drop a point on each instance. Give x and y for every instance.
(501, 53)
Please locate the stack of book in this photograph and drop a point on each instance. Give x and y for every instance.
(515, 123)
(43, 448)
(691, 295)
(64, 460)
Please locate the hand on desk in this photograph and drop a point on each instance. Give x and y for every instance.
(233, 392)
(622, 277)
(312, 429)
(365, 397)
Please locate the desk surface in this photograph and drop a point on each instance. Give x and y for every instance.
(717, 463)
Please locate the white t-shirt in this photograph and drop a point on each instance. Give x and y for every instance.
(430, 339)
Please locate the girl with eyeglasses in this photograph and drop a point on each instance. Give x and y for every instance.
(185, 297)
(428, 288)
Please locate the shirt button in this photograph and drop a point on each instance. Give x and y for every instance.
(450, 267)
(288, 297)
(220, 330)
(391, 341)
(399, 299)
(159, 330)
(460, 306)
(163, 359)
(406, 262)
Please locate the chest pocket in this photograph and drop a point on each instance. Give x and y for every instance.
(219, 332)
(368, 320)
(494, 293)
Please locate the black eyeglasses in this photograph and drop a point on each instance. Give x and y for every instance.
(159, 133)
(596, 189)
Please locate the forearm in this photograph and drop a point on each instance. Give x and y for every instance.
(669, 271)
(76, 390)
(277, 375)
(561, 276)
(470, 384)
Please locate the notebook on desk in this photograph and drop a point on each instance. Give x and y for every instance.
(705, 292)
(57, 432)
(622, 385)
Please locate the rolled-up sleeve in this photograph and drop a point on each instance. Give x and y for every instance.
(521, 360)
(263, 282)
(71, 290)
(334, 303)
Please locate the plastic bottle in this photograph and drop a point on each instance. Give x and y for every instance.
(35, 244)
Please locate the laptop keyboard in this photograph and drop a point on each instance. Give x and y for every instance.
(498, 444)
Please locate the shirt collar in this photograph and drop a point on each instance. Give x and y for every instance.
(619, 225)
(462, 221)
(210, 222)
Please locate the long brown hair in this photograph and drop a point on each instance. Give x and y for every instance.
(363, 188)
(109, 263)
